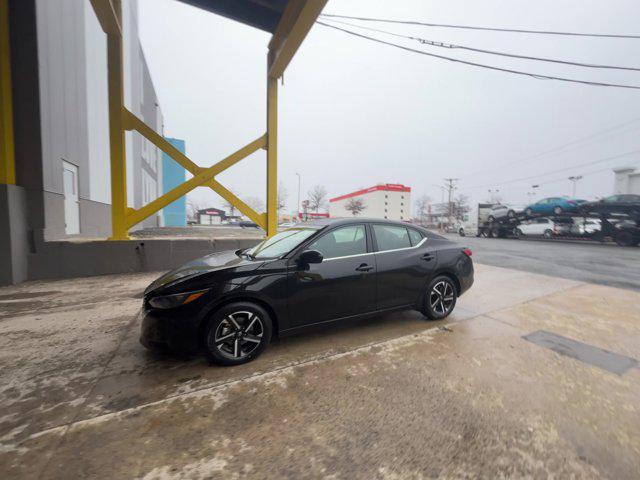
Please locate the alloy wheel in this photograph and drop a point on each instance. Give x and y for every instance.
(441, 298)
(238, 334)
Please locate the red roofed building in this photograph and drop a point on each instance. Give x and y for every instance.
(387, 200)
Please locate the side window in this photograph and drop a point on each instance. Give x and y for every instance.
(415, 236)
(341, 242)
(390, 237)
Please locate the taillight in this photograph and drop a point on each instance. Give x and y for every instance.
(467, 252)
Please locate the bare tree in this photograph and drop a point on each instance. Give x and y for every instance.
(192, 209)
(317, 197)
(422, 208)
(355, 206)
(461, 206)
(254, 202)
(229, 207)
(282, 197)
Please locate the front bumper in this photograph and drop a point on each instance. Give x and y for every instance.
(168, 332)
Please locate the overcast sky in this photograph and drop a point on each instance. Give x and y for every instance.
(354, 113)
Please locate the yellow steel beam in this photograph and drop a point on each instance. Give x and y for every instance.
(115, 77)
(272, 156)
(297, 19)
(109, 15)
(132, 122)
(228, 195)
(204, 177)
(7, 158)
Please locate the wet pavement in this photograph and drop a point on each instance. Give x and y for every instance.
(392, 397)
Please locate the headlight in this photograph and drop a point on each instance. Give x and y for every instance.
(172, 301)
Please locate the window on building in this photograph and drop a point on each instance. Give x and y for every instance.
(390, 237)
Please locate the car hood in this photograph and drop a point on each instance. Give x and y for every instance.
(209, 263)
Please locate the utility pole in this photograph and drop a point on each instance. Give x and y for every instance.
(298, 204)
(450, 187)
(574, 179)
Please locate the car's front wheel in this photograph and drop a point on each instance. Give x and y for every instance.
(237, 333)
(557, 210)
(440, 298)
(529, 212)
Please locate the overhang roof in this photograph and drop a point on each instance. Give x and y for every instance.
(262, 14)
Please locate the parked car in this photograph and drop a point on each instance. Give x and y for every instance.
(622, 204)
(554, 206)
(231, 303)
(541, 227)
(248, 224)
(465, 229)
(584, 227)
(502, 211)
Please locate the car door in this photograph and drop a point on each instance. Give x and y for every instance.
(405, 262)
(342, 285)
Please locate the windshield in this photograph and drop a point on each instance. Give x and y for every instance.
(281, 243)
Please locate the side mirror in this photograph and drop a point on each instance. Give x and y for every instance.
(310, 256)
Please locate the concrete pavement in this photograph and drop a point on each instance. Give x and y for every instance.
(393, 397)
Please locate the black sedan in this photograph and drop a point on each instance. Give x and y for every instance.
(627, 204)
(231, 303)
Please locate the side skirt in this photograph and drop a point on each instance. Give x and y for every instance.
(302, 328)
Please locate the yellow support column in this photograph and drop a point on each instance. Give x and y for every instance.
(7, 159)
(272, 156)
(119, 230)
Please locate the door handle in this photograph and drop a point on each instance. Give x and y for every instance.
(427, 257)
(364, 268)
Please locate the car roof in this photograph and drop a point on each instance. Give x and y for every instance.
(331, 222)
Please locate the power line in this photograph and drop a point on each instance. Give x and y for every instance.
(492, 29)
(516, 180)
(584, 174)
(558, 148)
(453, 46)
(456, 60)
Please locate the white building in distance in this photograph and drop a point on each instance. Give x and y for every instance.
(627, 181)
(389, 200)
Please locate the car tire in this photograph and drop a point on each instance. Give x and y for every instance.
(247, 328)
(625, 239)
(491, 219)
(548, 234)
(440, 298)
(557, 210)
(461, 232)
(511, 214)
(518, 233)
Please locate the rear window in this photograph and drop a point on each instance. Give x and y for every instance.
(391, 237)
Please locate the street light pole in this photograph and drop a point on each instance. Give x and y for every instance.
(298, 204)
(574, 179)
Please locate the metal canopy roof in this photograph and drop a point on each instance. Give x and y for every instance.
(262, 14)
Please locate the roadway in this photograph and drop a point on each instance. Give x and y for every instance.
(604, 264)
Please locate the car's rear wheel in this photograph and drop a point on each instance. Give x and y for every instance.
(440, 298)
(461, 232)
(517, 233)
(529, 212)
(548, 234)
(625, 239)
(557, 210)
(237, 333)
